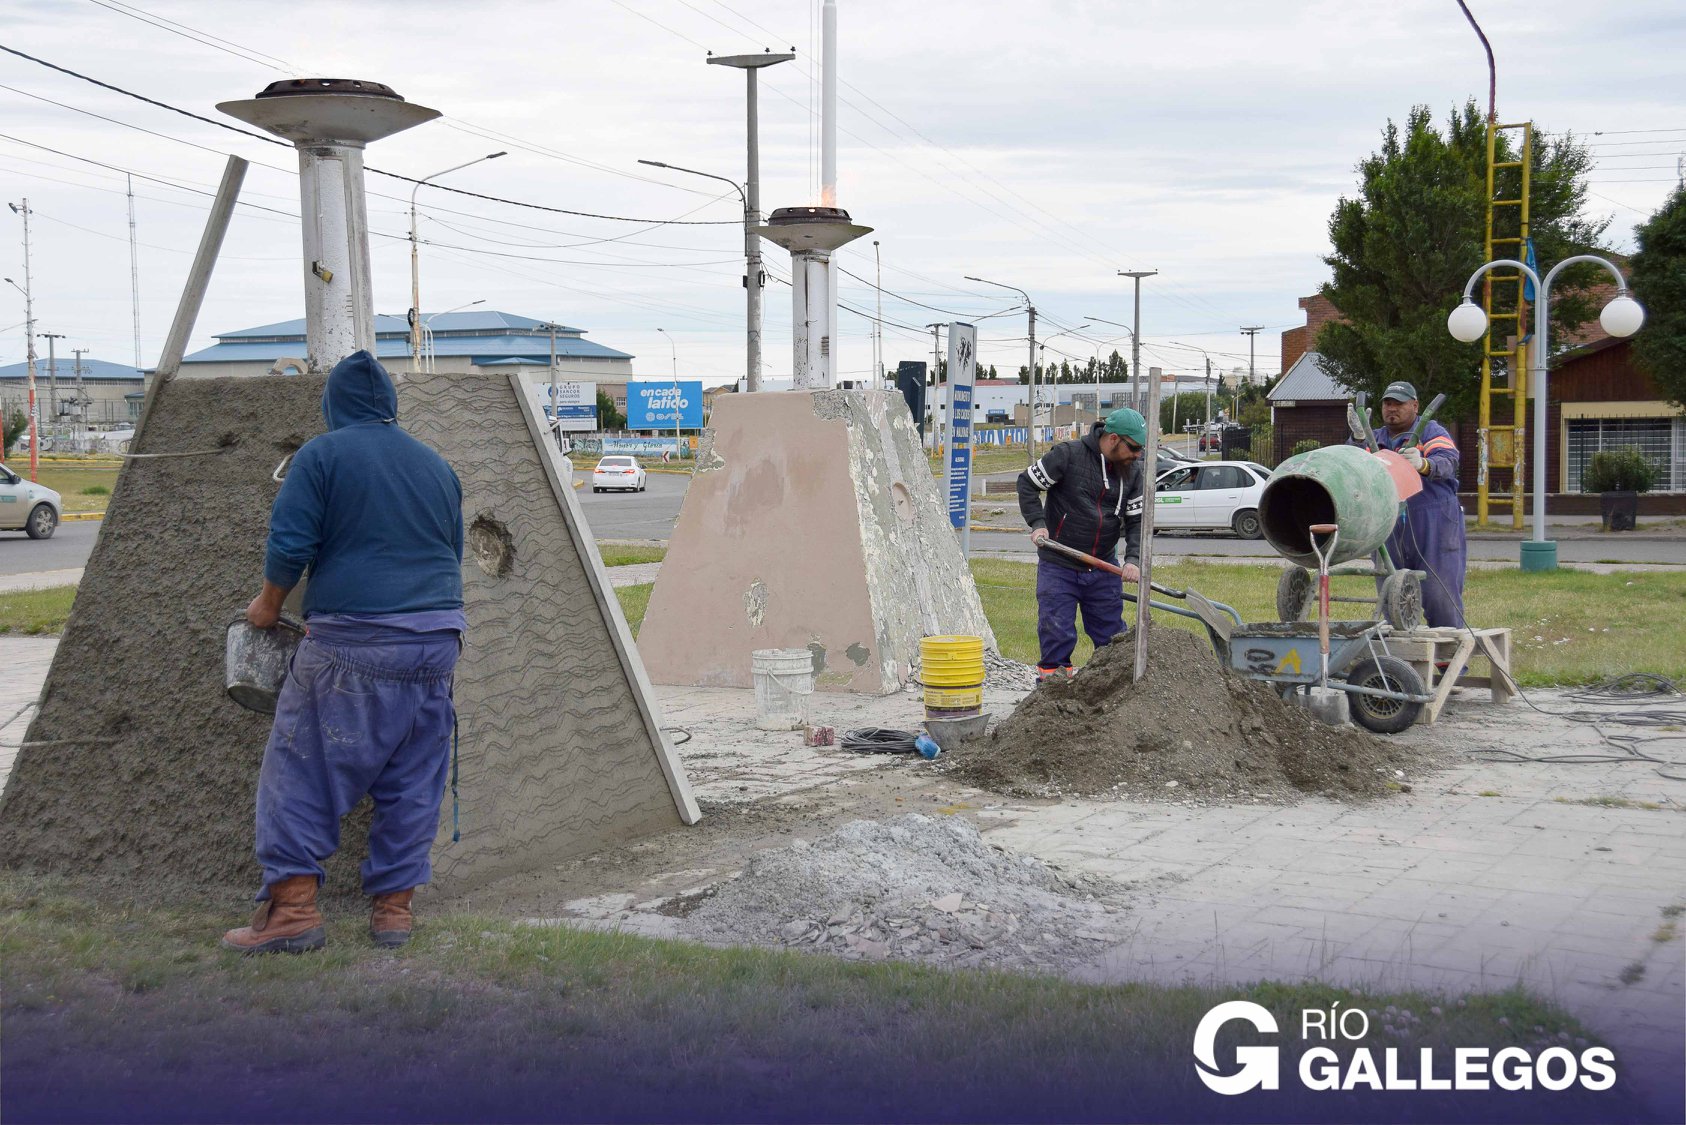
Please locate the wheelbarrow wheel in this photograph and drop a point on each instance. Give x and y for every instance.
(1402, 600)
(1296, 593)
(1384, 673)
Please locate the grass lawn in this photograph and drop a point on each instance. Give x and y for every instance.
(1569, 627)
(989, 459)
(78, 487)
(136, 1007)
(36, 612)
(616, 555)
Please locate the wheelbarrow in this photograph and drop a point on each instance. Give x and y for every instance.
(1385, 693)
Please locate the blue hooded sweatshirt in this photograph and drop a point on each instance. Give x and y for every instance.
(374, 514)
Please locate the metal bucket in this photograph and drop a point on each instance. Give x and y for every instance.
(784, 679)
(1339, 484)
(257, 661)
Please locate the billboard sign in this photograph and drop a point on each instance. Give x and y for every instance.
(572, 406)
(660, 405)
(962, 383)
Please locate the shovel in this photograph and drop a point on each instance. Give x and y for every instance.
(1329, 706)
(1220, 620)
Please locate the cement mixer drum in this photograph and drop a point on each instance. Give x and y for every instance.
(1339, 484)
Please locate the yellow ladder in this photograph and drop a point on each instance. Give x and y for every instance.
(1500, 475)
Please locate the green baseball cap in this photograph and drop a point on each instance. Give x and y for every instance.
(1127, 423)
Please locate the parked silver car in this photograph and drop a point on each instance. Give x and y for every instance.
(27, 506)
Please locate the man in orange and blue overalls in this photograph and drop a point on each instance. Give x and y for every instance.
(1430, 533)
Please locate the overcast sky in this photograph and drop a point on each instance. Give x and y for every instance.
(1041, 144)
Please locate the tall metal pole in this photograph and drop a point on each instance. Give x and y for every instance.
(415, 260)
(52, 373)
(1136, 337)
(81, 399)
(878, 319)
(134, 273)
(28, 289)
(677, 412)
(1030, 434)
(755, 279)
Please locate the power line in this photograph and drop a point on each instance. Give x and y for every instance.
(376, 171)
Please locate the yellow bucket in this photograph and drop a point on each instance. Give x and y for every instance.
(951, 662)
(954, 699)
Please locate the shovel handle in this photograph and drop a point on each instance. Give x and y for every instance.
(1102, 564)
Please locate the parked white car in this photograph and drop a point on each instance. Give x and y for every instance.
(623, 473)
(26, 506)
(1211, 495)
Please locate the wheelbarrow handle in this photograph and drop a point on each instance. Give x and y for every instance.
(1425, 418)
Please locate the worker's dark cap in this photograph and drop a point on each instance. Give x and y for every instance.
(1399, 392)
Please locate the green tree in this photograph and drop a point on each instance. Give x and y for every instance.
(15, 424)
(608, 418)
(1404, 247)
(1659, 283)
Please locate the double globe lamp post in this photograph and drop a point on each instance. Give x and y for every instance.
(1468, 323)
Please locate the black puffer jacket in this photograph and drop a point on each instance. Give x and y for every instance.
(1089, 502)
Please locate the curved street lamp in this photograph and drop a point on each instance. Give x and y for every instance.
(415, 263)
(1030, 306)
(1468, 323)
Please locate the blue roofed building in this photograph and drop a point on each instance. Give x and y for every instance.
(462, 341)
(108, 394)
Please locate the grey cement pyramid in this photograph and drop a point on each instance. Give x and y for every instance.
(138, 770)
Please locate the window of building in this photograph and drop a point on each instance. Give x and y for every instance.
(1661, 440)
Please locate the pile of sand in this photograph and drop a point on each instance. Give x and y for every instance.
(1189, 729)
(912, 888)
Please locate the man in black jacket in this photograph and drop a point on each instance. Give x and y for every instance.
(1094, 494)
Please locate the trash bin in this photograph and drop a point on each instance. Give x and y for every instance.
(1234, 440)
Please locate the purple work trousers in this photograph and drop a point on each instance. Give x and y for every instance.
(1430, 537)
(363, 710)
(1060, 590)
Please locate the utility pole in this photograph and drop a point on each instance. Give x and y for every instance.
(878, 319)
(1252, 332)
(1208, 401)
(81, 400)
(134, 273)
(1136, 337)
(755, 278)
(52, 373)
(27, 289)
(934, 381)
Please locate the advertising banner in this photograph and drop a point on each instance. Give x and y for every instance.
(662, 405)
(962, 382)
(573, 404)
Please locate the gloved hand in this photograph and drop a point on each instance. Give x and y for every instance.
(1414, 458)
(1353, 424)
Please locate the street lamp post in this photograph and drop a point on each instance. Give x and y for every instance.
(415, 261)
(1468, 323)
(1055, 414)
(755, 277)
(1030, 307)
(677, 412)
(1135, 352)
(1136, 337)
(427, 331)
(29, 332)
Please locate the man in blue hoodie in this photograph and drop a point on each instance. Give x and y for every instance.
(375, 517)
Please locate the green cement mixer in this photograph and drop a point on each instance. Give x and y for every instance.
(1348, 486)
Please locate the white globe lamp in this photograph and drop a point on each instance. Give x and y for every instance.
(1622, 316)
(1467, 323)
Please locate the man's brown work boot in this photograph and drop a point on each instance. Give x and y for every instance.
(391, 921)
(286, 922)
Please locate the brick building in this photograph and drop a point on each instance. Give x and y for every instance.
(1298, 341)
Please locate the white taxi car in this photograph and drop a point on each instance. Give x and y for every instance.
(28, 507)
(1211, 496)
(624, 473)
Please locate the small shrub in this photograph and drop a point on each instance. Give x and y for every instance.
(1619, 470)
(1306, 446)
(96, 490)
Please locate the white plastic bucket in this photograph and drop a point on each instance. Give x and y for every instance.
(784, 679)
